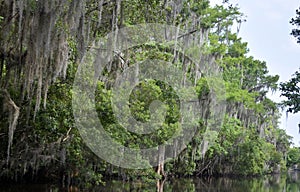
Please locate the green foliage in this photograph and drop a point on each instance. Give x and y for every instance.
(220, 18)
(291, 90)
(296, 21)
(293, 156)
(249, 142)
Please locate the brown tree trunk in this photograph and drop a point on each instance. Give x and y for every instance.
(160, 185)
(161, 156)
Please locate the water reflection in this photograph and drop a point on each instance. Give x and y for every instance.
(274, 183)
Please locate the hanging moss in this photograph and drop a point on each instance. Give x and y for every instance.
(41, 43)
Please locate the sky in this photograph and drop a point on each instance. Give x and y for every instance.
(267, 31)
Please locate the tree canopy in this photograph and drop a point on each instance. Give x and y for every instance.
(41, 46)
(291, 88)
(296, 22)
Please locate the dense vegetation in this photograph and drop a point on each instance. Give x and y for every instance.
(41, 46)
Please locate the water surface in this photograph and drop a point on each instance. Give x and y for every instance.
(276, 183)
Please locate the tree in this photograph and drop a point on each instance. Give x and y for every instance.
(293, 156)
(291, 90)
(40, 45)
(296, 21)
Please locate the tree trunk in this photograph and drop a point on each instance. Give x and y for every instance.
(161, 156)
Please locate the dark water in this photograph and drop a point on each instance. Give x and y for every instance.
(274, 183)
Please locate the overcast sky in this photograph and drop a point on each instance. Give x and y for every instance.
(267, 32)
